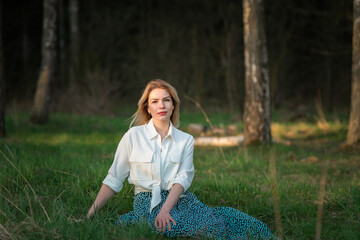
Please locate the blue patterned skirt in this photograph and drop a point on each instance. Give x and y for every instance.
(195, 219)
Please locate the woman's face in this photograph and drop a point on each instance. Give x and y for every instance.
(160, 105)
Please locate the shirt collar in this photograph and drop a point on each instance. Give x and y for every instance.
(153, 133)
(171, 132)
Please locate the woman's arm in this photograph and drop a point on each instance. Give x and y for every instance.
(164, 218)
(103, 196)
(118, 172)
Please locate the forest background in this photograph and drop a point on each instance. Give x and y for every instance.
(197, 46)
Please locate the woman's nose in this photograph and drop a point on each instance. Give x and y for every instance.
(161, 104)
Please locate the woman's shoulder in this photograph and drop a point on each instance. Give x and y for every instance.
(133, 133)
(136, 129)
(182, 134)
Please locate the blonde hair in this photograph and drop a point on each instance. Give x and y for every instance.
(141, 116)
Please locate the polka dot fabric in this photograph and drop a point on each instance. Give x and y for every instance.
(195, 219)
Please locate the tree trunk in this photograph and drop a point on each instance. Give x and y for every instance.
(197, 66)
(25, 43)
(228, 62)
(353, 135)
(62, 69)
(2, 82)
(257, 112)
(40, 110)
(74, 40)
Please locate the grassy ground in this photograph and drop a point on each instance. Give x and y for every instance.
(50, 176)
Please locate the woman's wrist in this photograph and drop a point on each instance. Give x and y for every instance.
(165, 209)
(91, 212)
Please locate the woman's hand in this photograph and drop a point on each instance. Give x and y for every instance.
(91, 212)
(103, 196)
(162, 220)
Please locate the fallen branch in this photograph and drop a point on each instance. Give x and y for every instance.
(228, 141)
(201, 109)
(207, 120)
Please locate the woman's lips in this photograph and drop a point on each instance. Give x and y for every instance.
(162, 113)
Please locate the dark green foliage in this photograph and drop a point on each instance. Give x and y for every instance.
(127, 43)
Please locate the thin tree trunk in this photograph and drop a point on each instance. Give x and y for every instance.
(265, 73)
(62, 56)
(353, 135)
(257, 109)
(329, 86)
(2, 82)
(25, 44)
(228, 62)
(74, 40)
(41, 107)
(197, 66)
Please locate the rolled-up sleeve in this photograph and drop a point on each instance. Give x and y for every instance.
(120, 168)
(185, 174)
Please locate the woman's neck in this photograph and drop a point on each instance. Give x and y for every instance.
(162, 128)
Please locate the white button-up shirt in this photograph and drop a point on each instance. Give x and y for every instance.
(152, 164)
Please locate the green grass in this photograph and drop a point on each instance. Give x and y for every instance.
(66, 160)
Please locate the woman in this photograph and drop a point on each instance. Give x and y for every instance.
(158, 159)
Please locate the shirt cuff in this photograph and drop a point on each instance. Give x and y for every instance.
(113, 183)
(182, 179)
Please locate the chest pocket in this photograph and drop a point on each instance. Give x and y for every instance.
(141, 166)
(172, 166)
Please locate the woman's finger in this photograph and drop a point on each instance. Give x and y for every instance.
(164, 226)
(157, 224)
(160, 226)
(173, 221)
(169, 225)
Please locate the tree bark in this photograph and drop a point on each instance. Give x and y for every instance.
(62, 69)
(228, 62)
(197, 66)
(41, 107)
(353, 135)
(2, 82)
(257, 112)
(74, 40)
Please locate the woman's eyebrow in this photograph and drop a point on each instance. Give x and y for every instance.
(158, 98)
